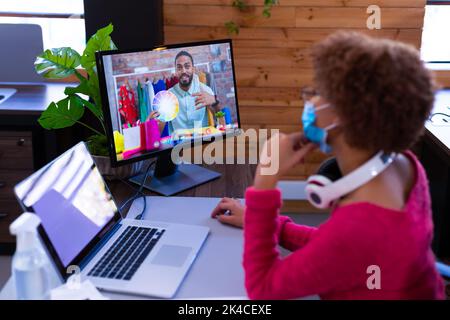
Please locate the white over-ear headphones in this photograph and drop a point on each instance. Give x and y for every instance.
(322, 192)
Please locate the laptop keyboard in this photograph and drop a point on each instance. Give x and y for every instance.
(127, 253)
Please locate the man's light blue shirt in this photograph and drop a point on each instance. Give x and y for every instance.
(187, 114)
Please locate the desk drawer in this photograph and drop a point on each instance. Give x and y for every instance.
(8, 179)
(12, 210)
(16, 150)
(9, 207)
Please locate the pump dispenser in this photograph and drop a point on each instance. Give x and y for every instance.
(30, 267)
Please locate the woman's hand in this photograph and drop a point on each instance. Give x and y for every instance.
(291, 151)
(229, 211)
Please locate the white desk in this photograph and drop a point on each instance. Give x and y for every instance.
(216, 273)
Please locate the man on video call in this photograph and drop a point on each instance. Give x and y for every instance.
(194, 97)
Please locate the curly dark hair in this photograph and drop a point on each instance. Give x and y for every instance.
(380, 88)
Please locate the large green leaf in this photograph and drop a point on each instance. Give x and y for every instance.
(57, 63)
(86, 88)
(100, 41)
(82, 88)
(95, 108)
(94, 87)
(62, 114)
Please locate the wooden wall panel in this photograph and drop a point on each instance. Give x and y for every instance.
(288, 17)
(442, 78)
(272, 55)
(356, 18)
(175, 33)
(313, 3)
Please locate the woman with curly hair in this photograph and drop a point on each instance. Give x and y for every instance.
(375, 96)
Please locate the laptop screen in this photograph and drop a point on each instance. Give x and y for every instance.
(72, 201)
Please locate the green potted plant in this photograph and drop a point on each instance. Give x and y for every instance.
(60, 63)
(220, 116)
(242, 6)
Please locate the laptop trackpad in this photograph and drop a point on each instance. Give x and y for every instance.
(169, 255)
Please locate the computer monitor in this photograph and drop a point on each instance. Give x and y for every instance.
(158, 98)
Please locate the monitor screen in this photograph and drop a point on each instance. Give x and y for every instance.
(164, 96)
(72, 201)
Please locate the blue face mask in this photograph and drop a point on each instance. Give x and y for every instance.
(312, 132)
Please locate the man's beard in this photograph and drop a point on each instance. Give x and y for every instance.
(186, 83)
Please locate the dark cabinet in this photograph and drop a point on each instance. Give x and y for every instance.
(24, 146)
(16, 163)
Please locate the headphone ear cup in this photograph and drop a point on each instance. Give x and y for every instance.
(315, 191)
(330, 169)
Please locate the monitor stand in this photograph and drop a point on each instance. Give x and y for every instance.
(168, 178)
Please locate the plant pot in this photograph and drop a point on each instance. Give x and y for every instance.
(122, 172)
(221, 121)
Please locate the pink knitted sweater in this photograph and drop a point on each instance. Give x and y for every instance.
(341, 257)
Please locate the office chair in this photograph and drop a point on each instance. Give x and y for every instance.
(20, 44)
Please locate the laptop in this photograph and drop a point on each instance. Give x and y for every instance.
(82, 228)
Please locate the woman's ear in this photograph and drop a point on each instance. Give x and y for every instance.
(336, 118)
(307, 93)
(317, 100)
(324, 116)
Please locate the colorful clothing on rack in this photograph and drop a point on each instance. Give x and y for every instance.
(150, 94)
(127, 107)
(159, 86)
(170, 82)
(167, 81)
(202, 77)
(143, 102)
(173, 81)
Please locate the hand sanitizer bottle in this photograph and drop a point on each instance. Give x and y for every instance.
(29, 263)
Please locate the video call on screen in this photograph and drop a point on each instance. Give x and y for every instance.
(160, 98)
